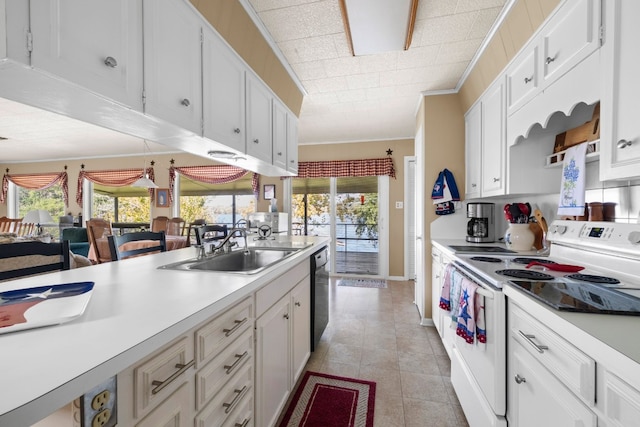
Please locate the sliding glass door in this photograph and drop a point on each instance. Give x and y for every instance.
(345, 209)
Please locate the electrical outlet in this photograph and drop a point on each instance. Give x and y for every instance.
(98, 406)
(101, 418)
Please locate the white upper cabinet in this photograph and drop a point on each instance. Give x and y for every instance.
(95, 44)
(259, 117)
(569, 37)
(620, 131)
(223, 92)
(292, 144)
(493, 141)
(172, 63)
(279, 134)
(473, 147)
(523, 79)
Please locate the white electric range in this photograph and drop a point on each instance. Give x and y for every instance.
(611, 250)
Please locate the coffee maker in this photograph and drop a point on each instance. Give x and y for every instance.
(481, 225)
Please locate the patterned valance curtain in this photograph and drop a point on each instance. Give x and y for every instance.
(212, 174)
(114, 178)
(36, 181)
(344, 168)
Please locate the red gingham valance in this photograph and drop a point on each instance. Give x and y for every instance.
(211, 174)
(36, 181)
(114, 178)
(343, 168)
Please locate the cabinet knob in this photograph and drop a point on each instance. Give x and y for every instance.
(286, 316)
(623, 143)
(256, 141)
(292, 161)
(519, 379)
(549, 60)
(496, 179)
(473, 185)
(236, 130)
(297, 303)
(279, 153)
(110, 61)
(185, 102)
(528, 79)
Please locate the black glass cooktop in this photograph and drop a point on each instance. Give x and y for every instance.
(481, 249)
(580, 297)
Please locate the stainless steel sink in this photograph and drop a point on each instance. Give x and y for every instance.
(251, 261)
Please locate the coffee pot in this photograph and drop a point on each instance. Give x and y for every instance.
(481, 224)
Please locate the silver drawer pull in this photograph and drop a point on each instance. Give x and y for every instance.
(185, 102)
(110, 62)
(549, 60)
(228, 407)
(238, 323)
(230, 368)
(159, 385)
(528, 79)
(519, 379)
(623, 143)
(245, 423)
(529, 338)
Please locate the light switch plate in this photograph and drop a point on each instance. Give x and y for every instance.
(399, 205)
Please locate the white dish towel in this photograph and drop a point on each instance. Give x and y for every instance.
(573, 181)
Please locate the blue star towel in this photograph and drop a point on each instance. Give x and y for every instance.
(573, 181)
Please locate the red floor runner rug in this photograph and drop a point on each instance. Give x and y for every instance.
(323, 400)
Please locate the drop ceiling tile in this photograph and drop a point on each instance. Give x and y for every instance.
(417, 57)
(311, 20)
(262, 5)
(432, 9)
(457, 51)
(332, 84)
(353, 95)
(310, 70)
(476, 5)
(386, 61)
(363, 81)
(447, 28)
(343, 66)
(310, 49)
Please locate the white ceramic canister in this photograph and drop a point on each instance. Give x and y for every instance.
(519, 237)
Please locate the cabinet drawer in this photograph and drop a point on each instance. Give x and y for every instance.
(174, 411)
(220, 332)
(158, 376)
(229, 402)
(572, 367)
(215, 374)
(622, 402)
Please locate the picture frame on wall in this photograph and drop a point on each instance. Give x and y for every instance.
(162, 198)
(269, 191)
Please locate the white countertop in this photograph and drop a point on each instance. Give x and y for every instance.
(134, 310)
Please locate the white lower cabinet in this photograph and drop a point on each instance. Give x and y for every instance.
(441, 318)
(621, 402)
(549, 381)
(282, 341)
(204, 375)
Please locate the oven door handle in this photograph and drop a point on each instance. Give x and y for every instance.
(529, 338)
(484, 293)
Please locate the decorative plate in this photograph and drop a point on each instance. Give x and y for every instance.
(44, 305)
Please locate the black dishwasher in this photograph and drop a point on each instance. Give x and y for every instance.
(319, 295)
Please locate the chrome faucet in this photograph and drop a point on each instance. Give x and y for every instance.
(226, 245)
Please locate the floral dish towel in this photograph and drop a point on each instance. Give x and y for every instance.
(573, 181)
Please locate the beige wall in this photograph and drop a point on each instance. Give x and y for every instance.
(442, 118)
(370, 150)
(523, 20)
(234, 24)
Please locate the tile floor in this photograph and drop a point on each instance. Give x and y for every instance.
(374, 334)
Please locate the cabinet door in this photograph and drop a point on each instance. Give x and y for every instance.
(172, 63)
(223, 92)
(493, 142)
(436, 289)
(110, 64)
(273, 362)
(531, 387)
(621, 402)
(473, 149)
(292, 144)
(620, 142)
(174, 412)
(258, 119)
(522, 79)
(279, 134)
(300, 328)
(569, 37)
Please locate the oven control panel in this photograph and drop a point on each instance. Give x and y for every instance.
(615, 237)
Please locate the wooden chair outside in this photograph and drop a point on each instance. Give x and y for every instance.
(31, 258)
(118, 253)
(176, 226)
(211, 233)
(159, 223)
(10, 225)
(98, 228)
(24, 228)
(192, 230)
